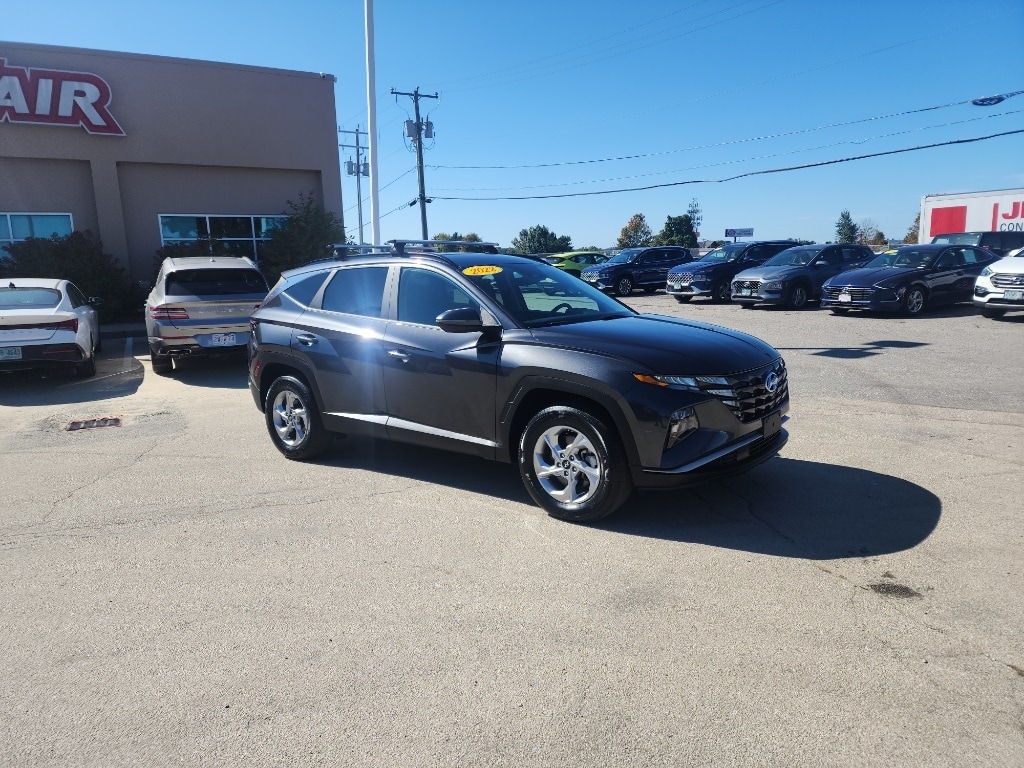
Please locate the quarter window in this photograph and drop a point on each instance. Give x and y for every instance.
(356, 291)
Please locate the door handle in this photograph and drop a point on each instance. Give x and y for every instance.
(399, 355)
(306, 339)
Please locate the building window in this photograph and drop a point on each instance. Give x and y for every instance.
(15, 227)
(222, 235)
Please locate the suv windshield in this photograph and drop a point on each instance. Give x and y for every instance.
(626, 256)
(793, 257)
(215, 282)
(723, 254)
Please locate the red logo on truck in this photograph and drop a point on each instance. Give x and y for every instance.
(1016, 213)
(56, 97)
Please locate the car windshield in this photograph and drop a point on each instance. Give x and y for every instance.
(793, 257)
(903, 258)
(723, 254)
(29, 298)
(626, 256)
(959, 238)
(537, 295)
(215, 282)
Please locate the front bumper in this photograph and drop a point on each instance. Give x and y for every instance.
(688, 289)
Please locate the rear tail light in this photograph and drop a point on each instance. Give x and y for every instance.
(71, 325)
(168, 313)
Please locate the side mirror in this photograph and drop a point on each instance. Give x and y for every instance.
(461, 320)
(95, 300)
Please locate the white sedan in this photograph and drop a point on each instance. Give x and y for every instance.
(46, 323)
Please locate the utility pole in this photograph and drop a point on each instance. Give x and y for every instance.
(357, 169)
(415, 130)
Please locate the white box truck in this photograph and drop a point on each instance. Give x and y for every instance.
(1000, 210)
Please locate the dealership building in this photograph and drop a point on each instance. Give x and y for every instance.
(145, 151)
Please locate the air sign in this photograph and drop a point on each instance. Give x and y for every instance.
(56, 97)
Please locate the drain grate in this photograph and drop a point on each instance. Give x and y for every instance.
(894, 590)
(108, 421)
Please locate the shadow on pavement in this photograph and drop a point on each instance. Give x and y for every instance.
(786, 507)
(116, 376)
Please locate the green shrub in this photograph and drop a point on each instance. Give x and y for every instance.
(306, 235)
(77, 257)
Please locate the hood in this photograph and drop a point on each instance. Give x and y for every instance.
(666, 345)
(767, 274)
(866, 277)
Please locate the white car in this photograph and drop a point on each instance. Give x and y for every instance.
(47, 323)
(1000, 287)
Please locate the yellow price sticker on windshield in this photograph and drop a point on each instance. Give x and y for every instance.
(477, 271)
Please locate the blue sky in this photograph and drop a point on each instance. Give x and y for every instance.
(572, 97)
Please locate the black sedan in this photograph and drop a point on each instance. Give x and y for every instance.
(908, 279)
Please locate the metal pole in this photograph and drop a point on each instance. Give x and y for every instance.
(371, 107)
(359, 187)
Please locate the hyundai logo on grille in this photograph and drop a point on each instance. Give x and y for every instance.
(771, 381)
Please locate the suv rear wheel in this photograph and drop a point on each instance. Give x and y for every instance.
(722, 292)
(293, 420)
(162, 364)
(573, 465)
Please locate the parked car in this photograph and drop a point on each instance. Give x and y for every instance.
(201, 306)
(908, 280)
(1000, 243)
(463, 352)
(712, 275)
(47, 323)
(576, 261)
(794, 276)
(1000, 287)
(631, 268)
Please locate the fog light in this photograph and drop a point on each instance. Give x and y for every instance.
(682, 423)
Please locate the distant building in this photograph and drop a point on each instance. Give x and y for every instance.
(148, 150)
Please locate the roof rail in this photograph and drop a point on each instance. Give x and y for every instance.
(399, 247)
(344, 249)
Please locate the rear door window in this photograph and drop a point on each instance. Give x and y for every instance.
(356, 291)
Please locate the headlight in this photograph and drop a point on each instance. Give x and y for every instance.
(986, 272)
(776, 286)
(689, 383)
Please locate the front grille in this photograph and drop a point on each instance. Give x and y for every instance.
(1008, 281)
(856, 294)
(747, 395)
(682, 277)
(751, 285)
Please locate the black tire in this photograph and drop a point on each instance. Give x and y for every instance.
(587, 479)
(838, 311)
(993, 314)
(798, 296)
(683, 299)
(624, 286)
(914, 300)
(293, 420)
(99, 341)
(162, 365)
(87, 368)
(650, 288)
(722, 292)
(748, 305)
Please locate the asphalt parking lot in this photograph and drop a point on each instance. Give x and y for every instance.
(175, 592)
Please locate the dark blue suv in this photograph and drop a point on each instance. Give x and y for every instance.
(645, 268)
(512, 360)
(712, 275)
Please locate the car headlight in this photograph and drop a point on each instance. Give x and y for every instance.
(703, 384)
(987, 272)
(774, 286)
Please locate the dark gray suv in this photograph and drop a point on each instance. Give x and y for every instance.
(513, 360)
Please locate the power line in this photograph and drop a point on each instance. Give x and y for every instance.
(741, 175)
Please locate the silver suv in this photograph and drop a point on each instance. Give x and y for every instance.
(1000, 287)
(201, 305)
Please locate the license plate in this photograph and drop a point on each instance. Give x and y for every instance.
(744, 291)
(1013, 295)
(10, 353)
(844, 298)
(222, 339)
(772, 423)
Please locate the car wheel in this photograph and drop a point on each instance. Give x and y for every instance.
(650, 288)
(99, 341)
(914, 300)
(748, 305)
(683, 299)
(992, 314)
(838, 311)
(293, 420)
(722, 292)
(87, 367)
(798, 296)
(162, 364)
(572, 465)
(624, 286)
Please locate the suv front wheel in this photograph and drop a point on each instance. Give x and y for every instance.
(572, 465)
(623, 286)
(293, 420)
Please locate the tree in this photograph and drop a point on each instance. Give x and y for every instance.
(540, 239)
(469, 237)
(915, 230)
(869, 234)
(678, 230)
(846, 230)
(696, 216)
(304, 236)
(636, 233)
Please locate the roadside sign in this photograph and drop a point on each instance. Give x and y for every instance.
(739, 232)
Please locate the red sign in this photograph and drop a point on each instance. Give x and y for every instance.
(56, 97)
